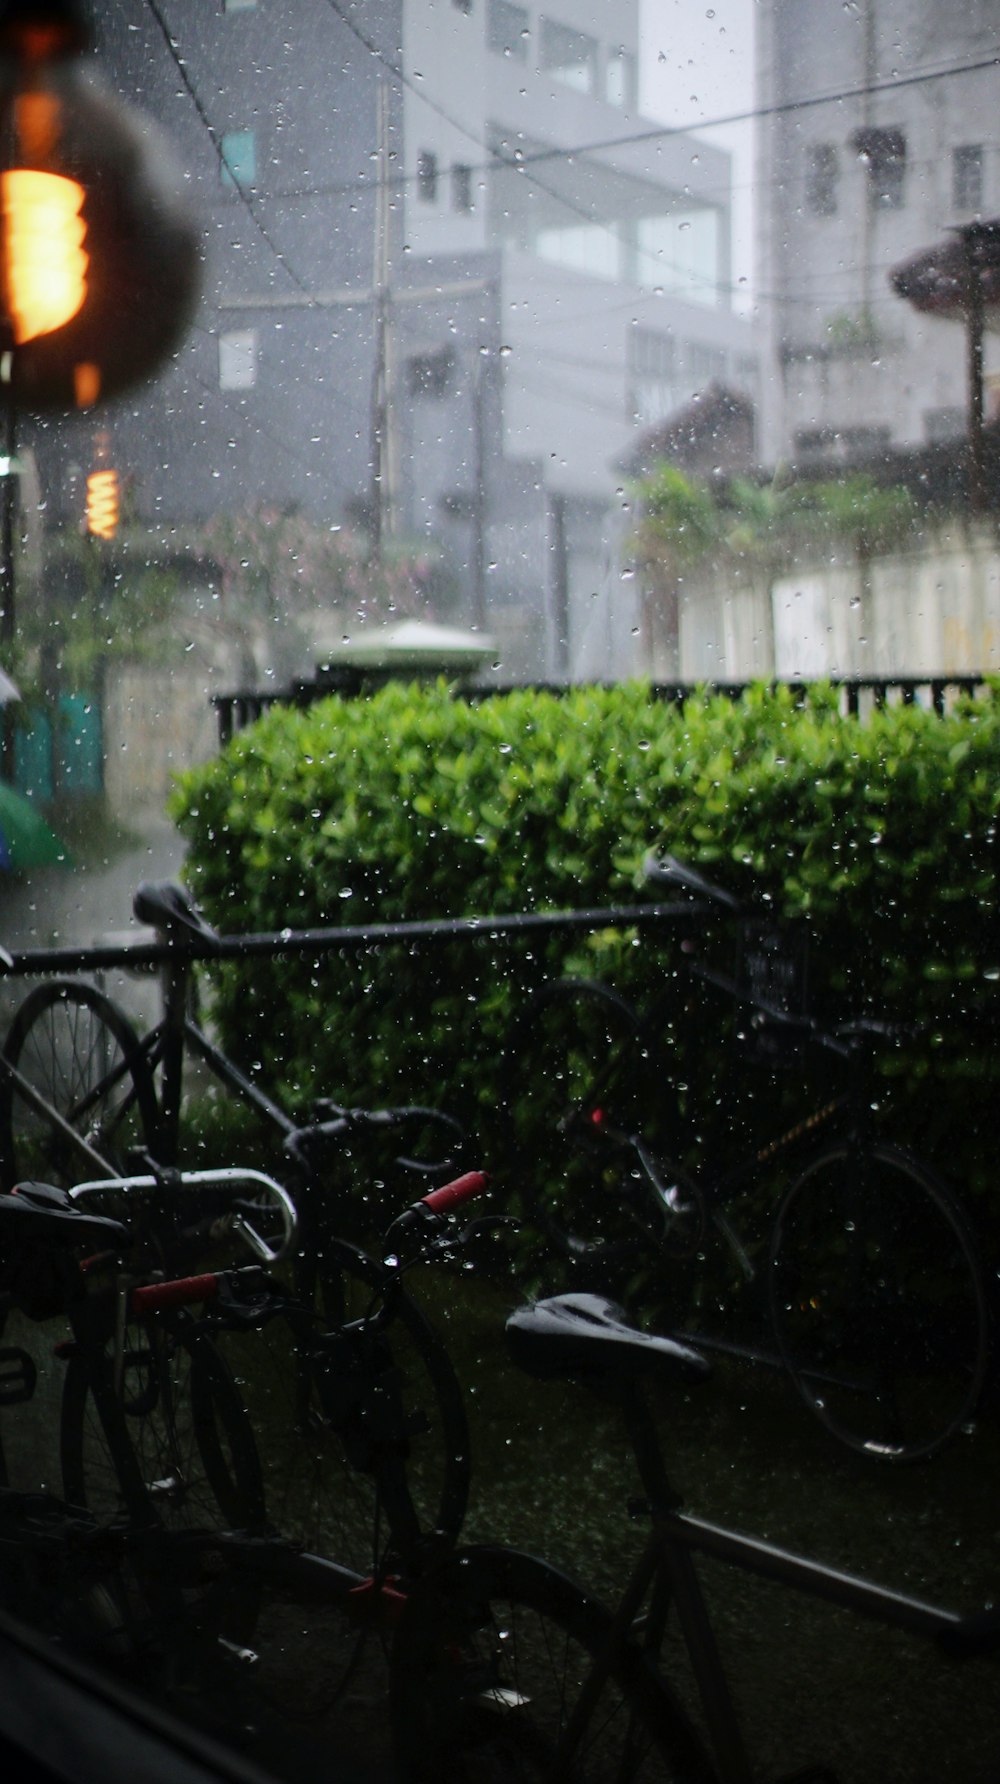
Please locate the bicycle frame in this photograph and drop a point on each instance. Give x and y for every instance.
(666, 1575)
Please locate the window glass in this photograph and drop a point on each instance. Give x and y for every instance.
(427, 176)
(239, 158)
(569, 56)
(593, 248)
(679, 253)
(507, 32)
(431, 374)
(967, 177)
(822, 174)
(620, 78)
(882, 153)
(238, 359)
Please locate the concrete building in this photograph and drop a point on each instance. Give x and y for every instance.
(450, 275)
(878, 131)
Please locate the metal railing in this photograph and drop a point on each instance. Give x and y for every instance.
(433, 931)
(858, 693)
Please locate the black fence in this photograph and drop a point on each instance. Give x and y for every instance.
(858, 693)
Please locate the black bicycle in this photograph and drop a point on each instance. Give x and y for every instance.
(169, 1542)
(83, 1095)
(504, 1668)
(356, 1411)
(82, 1092)
(872, 1287)
(177, 1582)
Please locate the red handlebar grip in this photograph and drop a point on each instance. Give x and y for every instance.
(452, 1195)
(181, 1293)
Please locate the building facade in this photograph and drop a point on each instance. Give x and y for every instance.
(450, 274)
(878, 132)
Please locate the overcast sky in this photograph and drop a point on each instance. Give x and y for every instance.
(697, 63)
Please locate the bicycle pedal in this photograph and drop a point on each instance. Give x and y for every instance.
(18, 1376)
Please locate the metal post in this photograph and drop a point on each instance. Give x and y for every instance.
(8, 612)
(974, 311)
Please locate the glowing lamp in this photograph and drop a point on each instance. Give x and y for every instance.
(99, 258)
(102, 504)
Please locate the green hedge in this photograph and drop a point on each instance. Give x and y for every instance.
(880, 835)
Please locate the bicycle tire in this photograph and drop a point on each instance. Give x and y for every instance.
(580, 1086)
(78, 1050)
(167, 1454)
(878, 1303)
(490, 1654)
(365, 1450)
(186, 1426)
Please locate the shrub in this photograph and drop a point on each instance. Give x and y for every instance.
(880, 835)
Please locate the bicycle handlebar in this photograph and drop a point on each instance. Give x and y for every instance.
(667, 870)
(345, 1122)
(439, 1203)
(244, 1215)
(184, 1291)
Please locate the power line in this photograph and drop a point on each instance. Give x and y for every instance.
(522, 162)
(217, 144)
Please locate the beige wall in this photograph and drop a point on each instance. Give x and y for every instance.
(935, 611)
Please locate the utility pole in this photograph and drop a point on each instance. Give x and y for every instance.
(974, 239)
(480, 512)
(8, 607)
(382, 468)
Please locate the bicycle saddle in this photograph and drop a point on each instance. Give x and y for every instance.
(586, 1335)
(40, 1213)
(167, 905)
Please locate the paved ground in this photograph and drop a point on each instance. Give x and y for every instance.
(60, 907)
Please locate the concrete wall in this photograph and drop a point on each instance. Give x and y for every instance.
(935, 611)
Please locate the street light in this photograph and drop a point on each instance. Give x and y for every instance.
(99, 257)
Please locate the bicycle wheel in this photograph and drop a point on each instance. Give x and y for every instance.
(362, 1432)
(581, 1083)
(167, 1453)
(186, 1426)
(488, 1663)
(878, 1303)
(81, 1056)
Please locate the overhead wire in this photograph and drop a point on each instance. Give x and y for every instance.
(522, 161)
(217, 144)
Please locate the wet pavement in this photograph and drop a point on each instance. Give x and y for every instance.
(88, 903)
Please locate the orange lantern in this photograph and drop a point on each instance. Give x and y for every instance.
(99, 259)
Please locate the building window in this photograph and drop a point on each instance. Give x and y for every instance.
(621, 79)
(569, 56)
(239, 158)
(431, 374)
(705, 364)
(238, 359)
(593, 248)
(507, 30)
(822, 174)
(461, 188)
(967, 177)
(883, 153)
(427, 176)
(653, 387)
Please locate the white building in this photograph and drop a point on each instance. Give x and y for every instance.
(879, 130)
(583, 258)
